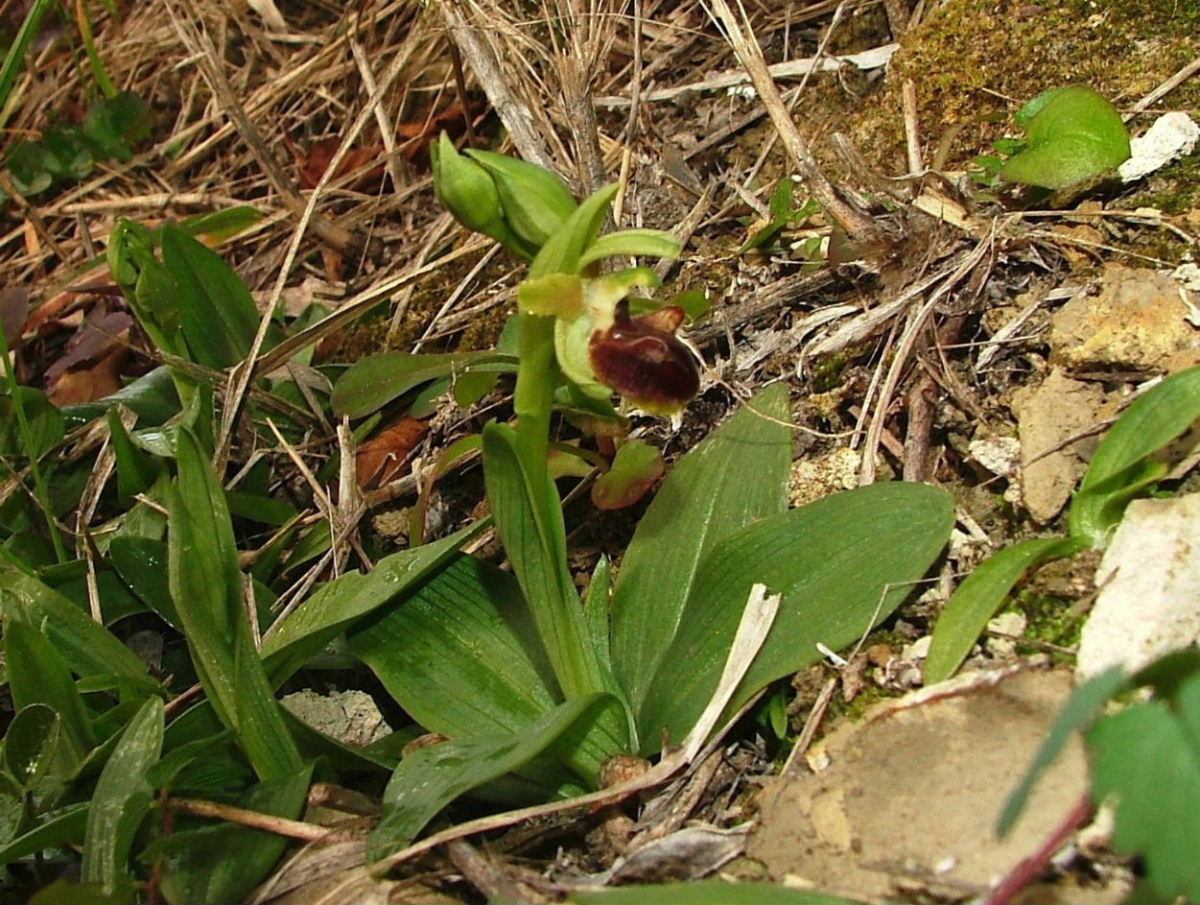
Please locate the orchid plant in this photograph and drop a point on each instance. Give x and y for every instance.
(533, 687)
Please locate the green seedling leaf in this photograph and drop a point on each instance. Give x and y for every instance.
(1147, 757)
(122, 800)
(115, 123)
(705, 892)
(1118, 469)
(224, 863)
(840, 564)
(87, 646)
(977, 599)
(339, 604)
(371, 383)
(31, 744)
(736, 475)
(65, 826)
(1086, 703)
(47, 426)
(652, 243)
(217, 314)
(207, 589)
(781, 209)
(460, 654)
(529, 521)
(38, 674)
(432, 777)
(1073, 134)
(635, 469)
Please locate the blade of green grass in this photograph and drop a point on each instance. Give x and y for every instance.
(122, 800)
(977, 599)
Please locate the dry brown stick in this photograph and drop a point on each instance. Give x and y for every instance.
(489, 879)
(512, 110)
(1165, 88)
(858, 225)
(280, 826)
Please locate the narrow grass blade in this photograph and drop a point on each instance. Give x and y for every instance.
(841, 565)
(705, 892)
(122, 800)
(737, 475)
(206, 587)
(977, 599)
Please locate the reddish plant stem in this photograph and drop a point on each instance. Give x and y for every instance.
(1029, 869)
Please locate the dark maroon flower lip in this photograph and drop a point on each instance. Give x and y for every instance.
(643, 360)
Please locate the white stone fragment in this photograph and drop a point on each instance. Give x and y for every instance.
(1173, 135)
(1149, 580)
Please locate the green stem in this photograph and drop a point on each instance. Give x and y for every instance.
(40, 489)
(534, 396)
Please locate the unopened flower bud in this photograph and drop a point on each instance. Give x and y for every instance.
(533, 201)
(468, 192)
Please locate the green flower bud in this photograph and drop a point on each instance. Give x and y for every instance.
(534, 202)
(468, 192)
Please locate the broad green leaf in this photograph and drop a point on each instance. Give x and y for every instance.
(841, 565)
(31, 744)
(635, 469)
(151, 397)
(89, 647)
(337, 605)
(371, 383)
(207, 589)
(1152, 421)
(64, 827)
(79, 894)
(141, 562)
(460, 654)
(122, 800)
(432, 777)
(1072, 135)
(46, 424)
(224, 863)
(733, 477)
(1148, 758)
(705, 892)
(39, 674)
(529, 521)
(977, 599)
(1086, 703)
(653, 243)
(217, 314)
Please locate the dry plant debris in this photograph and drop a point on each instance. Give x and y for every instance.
(917, 317)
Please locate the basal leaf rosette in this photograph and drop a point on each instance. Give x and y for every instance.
(604, 349)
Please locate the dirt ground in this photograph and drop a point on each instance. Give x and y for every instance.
(964, 333)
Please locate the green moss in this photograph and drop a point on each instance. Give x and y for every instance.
(975, 61)
(1049, 619)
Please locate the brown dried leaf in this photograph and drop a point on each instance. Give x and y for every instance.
(380, 458)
